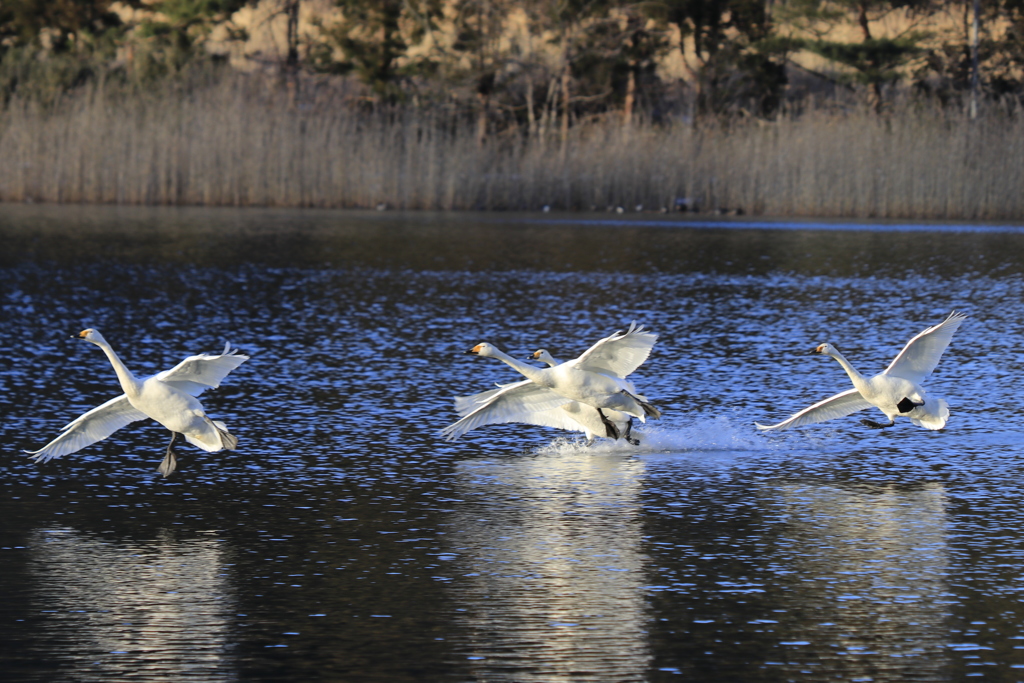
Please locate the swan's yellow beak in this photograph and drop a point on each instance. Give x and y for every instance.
(80, 335)
(817, 349)
(475, 349)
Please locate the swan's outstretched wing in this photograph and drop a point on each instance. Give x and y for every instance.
(922, 353)
(620, 354)
(95, 425)
(523, 402)
(196, 374)
(464, 405)
(840, 405)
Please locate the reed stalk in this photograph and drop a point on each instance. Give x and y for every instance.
(235, 143)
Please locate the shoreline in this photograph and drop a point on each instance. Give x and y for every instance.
(14, 213)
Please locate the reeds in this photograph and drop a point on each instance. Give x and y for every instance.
(237, 143)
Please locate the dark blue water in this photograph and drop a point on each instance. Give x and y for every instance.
(346, 540)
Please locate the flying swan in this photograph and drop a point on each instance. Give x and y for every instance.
(167, 397)
(596, 378)
(895, 391)
(507, 403)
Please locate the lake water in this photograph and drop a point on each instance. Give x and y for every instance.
(345, 540)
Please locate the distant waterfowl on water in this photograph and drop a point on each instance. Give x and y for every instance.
(597, 379)
(517, 403)
(169, 397)
(896, 391)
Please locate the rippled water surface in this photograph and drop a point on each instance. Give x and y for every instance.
(345, 540)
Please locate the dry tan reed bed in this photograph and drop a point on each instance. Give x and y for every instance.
(226, 146)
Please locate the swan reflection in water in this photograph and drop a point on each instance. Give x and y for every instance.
(547, 565)
(159, 606)
(869, 572)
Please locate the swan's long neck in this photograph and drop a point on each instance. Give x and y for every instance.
(131, 386)
(857, 378)
(531, 372)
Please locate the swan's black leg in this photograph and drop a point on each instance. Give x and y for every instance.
(611, 431)
(906, 405)
(877, 425)
(629, 431)
(170, 462)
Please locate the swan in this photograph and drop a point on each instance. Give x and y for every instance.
(895, 391)
(597, 378)
(509, 403)
(169, 397)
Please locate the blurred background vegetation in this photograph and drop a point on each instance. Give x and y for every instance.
(504, 81)
(516, 61)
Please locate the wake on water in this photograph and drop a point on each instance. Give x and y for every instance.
(703, 434)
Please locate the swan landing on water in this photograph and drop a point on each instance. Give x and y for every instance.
(169, 397)
(589, 394)
(896, 391)
(525, 403)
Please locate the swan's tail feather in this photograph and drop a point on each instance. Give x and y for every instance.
(215, 439)
(932, 415)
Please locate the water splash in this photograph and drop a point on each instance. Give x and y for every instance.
(701, 434)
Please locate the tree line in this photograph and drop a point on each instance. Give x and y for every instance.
(545, 64)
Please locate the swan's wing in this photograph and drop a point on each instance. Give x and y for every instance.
(464, 405)
(519, 402)
(95, 425)
(620, 354)
(196, 374)
(840, 405)
(922, 353)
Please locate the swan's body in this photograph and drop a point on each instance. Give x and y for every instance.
(896, 391)
(168, 397)
(517, 403)
(597, 379)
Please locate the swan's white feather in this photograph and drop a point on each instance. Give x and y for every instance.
(840, 405)
(196, 374)
(93, 426)
(919, 357)
(517, 402)
(619, 354)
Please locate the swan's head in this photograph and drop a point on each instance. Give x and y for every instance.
(826, 349)
(483, 349)
(543, 356)
(90, 335)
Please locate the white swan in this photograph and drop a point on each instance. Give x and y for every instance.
(516, 403)
(895, 391)
(167, 397)
(596, 378)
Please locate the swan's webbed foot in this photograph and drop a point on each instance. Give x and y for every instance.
(170, 461)
(611, 431)
(629, 431)
(169, 464)
(877, 425)
(906, 405)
